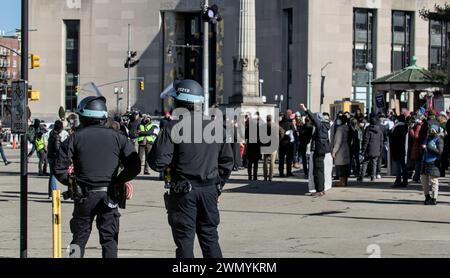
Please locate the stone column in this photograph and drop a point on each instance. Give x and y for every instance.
(246, 64)
(411, 96)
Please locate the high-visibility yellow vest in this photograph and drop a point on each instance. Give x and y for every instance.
(150, 139)
(40, 144)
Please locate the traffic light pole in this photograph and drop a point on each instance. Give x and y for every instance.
(23, 142)
(206, 61)
(129, 68)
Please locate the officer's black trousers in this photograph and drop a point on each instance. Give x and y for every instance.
(95, 205)
(195, 212)
(319, 172)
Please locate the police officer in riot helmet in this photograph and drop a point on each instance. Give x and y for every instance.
(198, 172)
(95, 153)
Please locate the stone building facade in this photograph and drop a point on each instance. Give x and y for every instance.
(81, 41)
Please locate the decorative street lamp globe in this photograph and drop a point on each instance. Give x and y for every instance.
(369, 66)
(211, 13)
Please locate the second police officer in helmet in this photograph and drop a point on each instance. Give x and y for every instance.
(96, 153)
(198, 172)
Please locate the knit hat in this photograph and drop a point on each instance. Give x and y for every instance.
(434, 129)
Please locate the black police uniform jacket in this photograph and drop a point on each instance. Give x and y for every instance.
(96, 153)
(202, 164)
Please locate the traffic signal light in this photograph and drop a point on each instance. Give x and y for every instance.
(131, 60)
(77, 90)
(34, 95)
(35, 61)
(211, 14)
(142, 86)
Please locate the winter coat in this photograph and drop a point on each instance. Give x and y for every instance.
(321, 144)
(304, 136)
(416, 145)
(285, 126)
(432, 154)
(398, 141)
(253, 144)
(133, 128)
(54, 143)
(341, 144)
(355, 139)
(373, 141)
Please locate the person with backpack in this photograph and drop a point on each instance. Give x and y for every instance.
(320, 147)
(372, 148)
(286, 147)
(54, 144)
(433, 148)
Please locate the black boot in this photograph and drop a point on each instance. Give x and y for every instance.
(433, 202)
(427, 200)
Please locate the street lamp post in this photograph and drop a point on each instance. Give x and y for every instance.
(116, 92)
(206, 60)
(279, 99)
(309, 91)
(129, 70)
(261, 82)
(369, 68)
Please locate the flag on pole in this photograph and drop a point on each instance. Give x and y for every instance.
(322, 90)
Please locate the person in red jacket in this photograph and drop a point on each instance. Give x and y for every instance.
(416, 148)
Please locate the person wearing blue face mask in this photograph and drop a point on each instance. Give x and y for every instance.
(432, 147)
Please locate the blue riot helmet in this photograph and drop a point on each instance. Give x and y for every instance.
(93, 108)
(186, 93)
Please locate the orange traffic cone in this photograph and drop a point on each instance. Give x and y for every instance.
(14, 143)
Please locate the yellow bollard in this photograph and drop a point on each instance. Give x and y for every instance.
(56, 209)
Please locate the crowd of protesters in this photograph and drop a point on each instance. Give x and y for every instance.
(415, 144)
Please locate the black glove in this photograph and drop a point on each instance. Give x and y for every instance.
(73, 192)
(220, 187)
(118, 195)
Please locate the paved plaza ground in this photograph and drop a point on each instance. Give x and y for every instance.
(258, 219)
